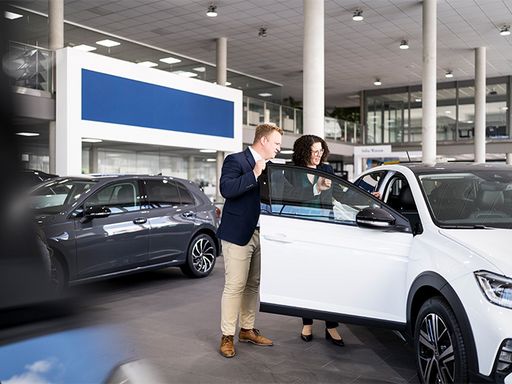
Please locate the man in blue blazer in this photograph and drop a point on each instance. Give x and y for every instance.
(240, 237)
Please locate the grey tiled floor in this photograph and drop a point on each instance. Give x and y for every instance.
(174, 321)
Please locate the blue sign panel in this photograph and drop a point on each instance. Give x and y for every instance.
(114, 99)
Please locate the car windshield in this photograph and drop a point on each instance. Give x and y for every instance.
(55, 196)
(475, 199)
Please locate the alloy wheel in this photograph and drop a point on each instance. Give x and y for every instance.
(436, 351)
(203, 255)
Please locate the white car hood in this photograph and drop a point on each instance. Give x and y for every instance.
(492, 244)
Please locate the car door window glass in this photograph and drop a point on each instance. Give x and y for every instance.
(162, 193)
(118, 197)
(185, 196)
(311, 194)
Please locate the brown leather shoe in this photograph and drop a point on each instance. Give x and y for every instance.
(253, 336)
(227, 346)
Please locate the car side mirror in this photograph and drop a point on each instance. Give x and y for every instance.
(95, 212)
(374, 217)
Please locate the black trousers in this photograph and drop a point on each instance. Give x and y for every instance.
(328, 324)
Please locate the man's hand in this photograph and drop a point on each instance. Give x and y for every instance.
(259, 167)
(323, 184)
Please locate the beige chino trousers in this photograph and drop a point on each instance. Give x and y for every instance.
(242, 266)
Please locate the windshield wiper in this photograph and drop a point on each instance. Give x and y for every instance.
(474, 226)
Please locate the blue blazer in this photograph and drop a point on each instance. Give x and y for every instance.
(242, 193)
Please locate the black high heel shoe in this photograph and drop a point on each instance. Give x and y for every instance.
(339, 343)
(306, 338)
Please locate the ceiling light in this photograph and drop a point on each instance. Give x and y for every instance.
(207, 150)
(470, 121)
(27, 134)
(211, 160)
(262, 32)
(286, 152)
(418, 100)
(404, 44)
(228, 83)
(185, 73)
(84, 47)
(504, 108)
(212, 11)
(358, 15)
(377, 82)
(12, 15)
(148, 64)
(108, 43)
(90, 140)
(170, 60)
(448, 112)
(505, 30)
(265, 94)
(199, 69)
(448, 74)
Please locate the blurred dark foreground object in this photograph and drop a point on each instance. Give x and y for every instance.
(24, 271)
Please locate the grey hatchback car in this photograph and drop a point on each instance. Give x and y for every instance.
(104, 226)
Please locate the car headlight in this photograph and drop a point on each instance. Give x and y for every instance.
(497, 288)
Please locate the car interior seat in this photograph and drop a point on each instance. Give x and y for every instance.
(489, 204)
(125, 196)
(407, 207)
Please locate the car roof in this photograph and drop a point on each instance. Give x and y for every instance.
(111, 177)
(455, 167)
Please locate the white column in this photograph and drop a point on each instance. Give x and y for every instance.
(222, 54)
(429, 96)
(509, 158)
(480, 105)
(313, 58)
(266, 114)
(55, 41)
(93, 159)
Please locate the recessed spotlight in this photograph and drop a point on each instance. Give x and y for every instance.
(377, 82)
(185, 73)
(505, 30)
(448, 74)
(207, 150)
(404, 44)
(170, 60)
(148, 64)
(91, 140)
(199, 69)
(212, 11)
(12, 15)
(265, 94)
(358, 15)
(108, 43)
(27, 134)
(84, 47)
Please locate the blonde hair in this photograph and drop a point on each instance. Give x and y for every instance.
(264, 130)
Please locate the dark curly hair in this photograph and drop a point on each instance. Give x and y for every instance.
(302, 149)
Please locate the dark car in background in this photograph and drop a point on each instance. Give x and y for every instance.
(104, 226)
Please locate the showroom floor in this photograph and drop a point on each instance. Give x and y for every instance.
(174, 323)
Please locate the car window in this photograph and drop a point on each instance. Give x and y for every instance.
(56, 196)
(310, 194)
(185, 196)
(118, 197)
(162, 193)
(371, 182)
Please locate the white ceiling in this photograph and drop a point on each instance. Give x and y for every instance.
(355, 52)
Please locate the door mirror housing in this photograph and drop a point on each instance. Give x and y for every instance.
(95, 212)
(374, 217)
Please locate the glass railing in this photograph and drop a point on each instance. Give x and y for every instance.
(29, 66)
(344, 131)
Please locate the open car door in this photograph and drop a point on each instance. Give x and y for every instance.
(330, 250)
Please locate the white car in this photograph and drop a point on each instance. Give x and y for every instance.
(432, 259)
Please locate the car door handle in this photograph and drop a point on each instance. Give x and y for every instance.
(279, 237)
(140, 220)
(188, 214)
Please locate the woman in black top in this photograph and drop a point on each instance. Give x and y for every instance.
(312, 151)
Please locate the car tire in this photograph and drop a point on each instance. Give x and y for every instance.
(57, 274)
(201, 256)
(438, 343)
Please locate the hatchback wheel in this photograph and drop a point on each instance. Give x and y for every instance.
(440, 351)
(201, 257)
